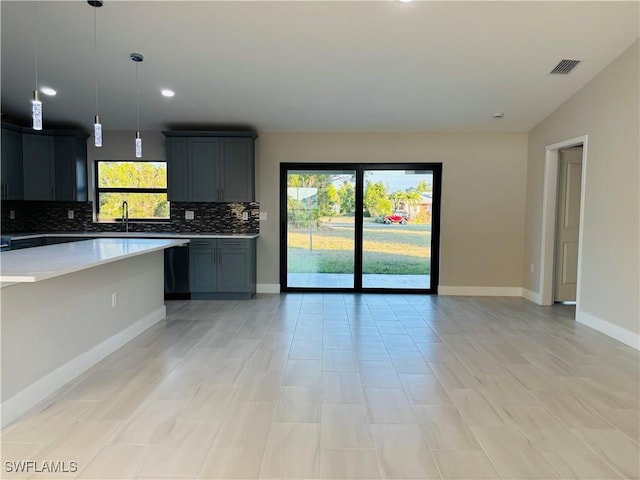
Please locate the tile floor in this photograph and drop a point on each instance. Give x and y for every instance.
(346, 387)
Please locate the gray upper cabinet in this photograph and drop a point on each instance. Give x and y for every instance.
(38, 156)
(48, 165)
(71, 168)
(12, 187)
(211, 166)
(177, 169)
(204, 169)
(237, 169)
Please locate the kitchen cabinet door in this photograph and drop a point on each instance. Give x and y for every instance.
(204, 167)
(12, 187)
(177, 169)
(202, 273)
(233, 266)
(71, 168)
(237, 170)
(38, 165)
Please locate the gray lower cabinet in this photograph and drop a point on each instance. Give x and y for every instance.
(222, 268)
(210, 167)
(28, 243)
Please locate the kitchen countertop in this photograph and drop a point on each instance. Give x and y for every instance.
(25, 236)
(36, 264)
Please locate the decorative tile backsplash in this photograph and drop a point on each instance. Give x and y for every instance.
(36, 217)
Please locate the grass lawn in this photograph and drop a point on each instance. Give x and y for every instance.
(388, 249)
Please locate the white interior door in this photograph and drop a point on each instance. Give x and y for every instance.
(568, 224)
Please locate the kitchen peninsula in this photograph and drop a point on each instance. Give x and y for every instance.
(67, 306)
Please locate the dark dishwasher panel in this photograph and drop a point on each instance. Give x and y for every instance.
(176, 273)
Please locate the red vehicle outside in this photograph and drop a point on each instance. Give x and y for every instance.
(396, 217)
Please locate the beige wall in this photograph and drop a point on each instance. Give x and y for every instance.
(483, 194)
(606, 110)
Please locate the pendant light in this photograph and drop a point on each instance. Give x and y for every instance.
(97, 126)
(137, 58)
(36, 104)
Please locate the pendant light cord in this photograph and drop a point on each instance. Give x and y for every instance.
(95, 55)
(35, 41)
(137, 102)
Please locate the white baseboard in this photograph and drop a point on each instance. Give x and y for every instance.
(22, 401)
(268, 288)
(481, 291)
(534, 297)
(614, 331)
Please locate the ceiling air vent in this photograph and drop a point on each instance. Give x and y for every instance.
(565, 67)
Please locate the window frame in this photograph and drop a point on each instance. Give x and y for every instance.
(98, 190)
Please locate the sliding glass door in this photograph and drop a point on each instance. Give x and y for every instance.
(396, 230)
(320, 239)
(360, 227)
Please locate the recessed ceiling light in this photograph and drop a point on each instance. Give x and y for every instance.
(167, 93)
(497, 115)
(48, 91)
(404, 1)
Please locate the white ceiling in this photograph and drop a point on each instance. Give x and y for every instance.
(309, 66)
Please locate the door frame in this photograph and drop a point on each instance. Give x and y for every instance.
(359, 169)
(549, 211)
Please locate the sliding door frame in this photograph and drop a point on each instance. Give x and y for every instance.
(359, 169)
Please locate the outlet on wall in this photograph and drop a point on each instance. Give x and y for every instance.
(263, 216)
(114, 300)
(70, 214)
(245, 215)
(12, 214)
(188, 215)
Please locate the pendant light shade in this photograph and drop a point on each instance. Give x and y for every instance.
(138, 145)
(97, 131)
(36, 111)
(137, 58)
(97, 126)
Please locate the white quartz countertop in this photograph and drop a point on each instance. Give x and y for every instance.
(41, 263)
(24, 236)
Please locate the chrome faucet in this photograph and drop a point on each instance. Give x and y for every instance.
(125, 215)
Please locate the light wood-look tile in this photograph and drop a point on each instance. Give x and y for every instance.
(151, 424)
(298, 386)
(580, 466)
(444, 428)
(424, 389)
(341, 361)
(345, 426)
(617, 449)
(116, 462)
(183, 452)
(512, 454)
(464, 465)
(299, 404)
(388, 405)
(349, 464)
(475, 408)
(292, 451)
(303, 372)
(402, 452)
(342, 388)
